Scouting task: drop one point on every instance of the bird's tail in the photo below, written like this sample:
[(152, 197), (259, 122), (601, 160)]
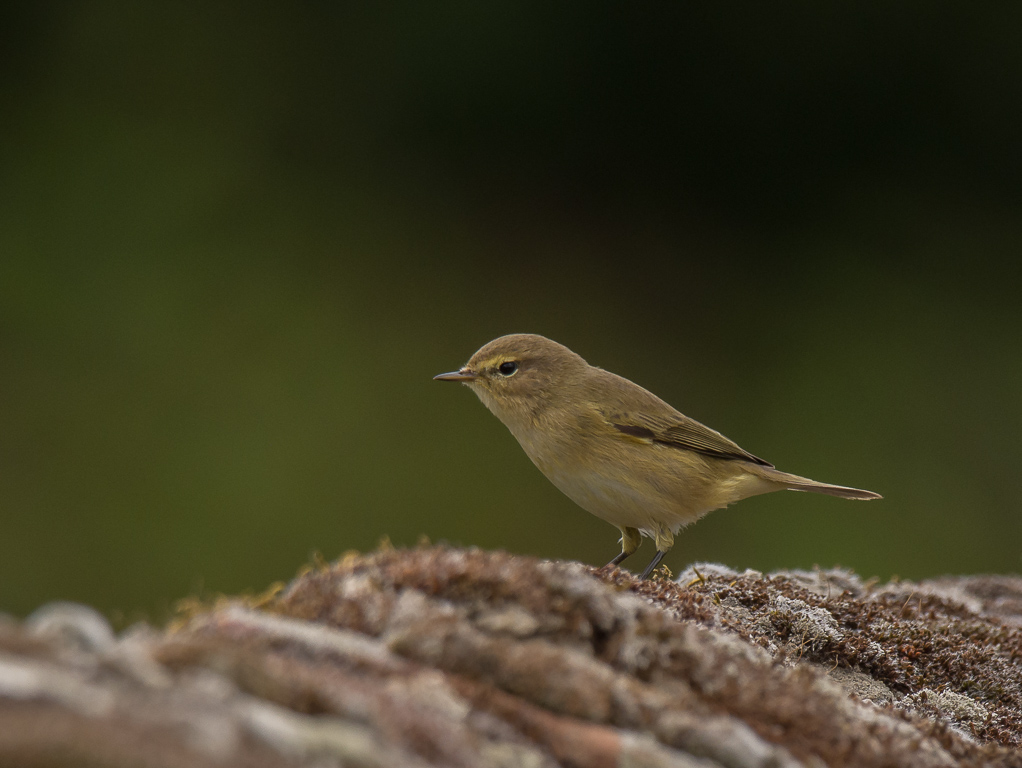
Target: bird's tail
[(796, 483)]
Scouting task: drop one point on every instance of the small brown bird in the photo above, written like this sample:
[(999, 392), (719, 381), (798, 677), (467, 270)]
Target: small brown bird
[(615, 449)]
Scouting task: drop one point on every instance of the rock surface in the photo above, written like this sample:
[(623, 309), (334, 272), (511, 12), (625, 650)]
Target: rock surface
[(445, 657)]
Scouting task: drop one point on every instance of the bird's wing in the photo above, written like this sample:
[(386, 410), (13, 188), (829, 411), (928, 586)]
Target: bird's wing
[(679, 431)]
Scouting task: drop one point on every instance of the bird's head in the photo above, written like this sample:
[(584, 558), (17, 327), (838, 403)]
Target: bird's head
[(519, 374)]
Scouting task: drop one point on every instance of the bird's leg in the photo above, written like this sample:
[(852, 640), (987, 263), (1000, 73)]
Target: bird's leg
[(630, 540), (653, 564), (664, 541)]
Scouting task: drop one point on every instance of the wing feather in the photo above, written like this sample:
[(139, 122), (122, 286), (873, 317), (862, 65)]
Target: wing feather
[(681, 432)]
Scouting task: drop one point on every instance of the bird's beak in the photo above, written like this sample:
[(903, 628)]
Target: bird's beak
[(464, 375)]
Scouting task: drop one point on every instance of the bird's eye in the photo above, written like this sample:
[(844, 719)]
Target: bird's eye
[(510, 368)]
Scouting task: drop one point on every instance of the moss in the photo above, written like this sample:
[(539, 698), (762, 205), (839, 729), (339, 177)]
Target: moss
[(453, 657)]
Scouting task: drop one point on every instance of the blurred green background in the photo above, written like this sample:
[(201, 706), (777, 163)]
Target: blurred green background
[(238, 239)]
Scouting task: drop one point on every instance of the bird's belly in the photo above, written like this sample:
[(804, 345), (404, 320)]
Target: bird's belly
[(647, 501), (612, 500), (656, 492)]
